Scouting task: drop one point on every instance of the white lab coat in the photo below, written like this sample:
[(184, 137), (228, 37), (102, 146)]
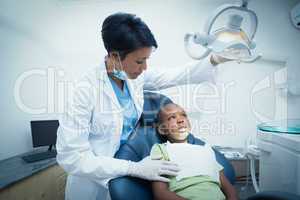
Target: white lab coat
[(89, 132)]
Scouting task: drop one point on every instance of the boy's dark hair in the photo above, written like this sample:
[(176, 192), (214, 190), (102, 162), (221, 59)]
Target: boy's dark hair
[(125, 33), (159, 114)]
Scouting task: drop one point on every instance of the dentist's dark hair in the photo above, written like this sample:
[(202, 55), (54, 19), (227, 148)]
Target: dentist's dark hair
[(125, 33)]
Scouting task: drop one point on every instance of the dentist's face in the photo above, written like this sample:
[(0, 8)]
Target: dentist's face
[(174, 123), (134, 63)]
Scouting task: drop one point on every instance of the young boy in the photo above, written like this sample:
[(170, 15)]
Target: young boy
[(201, 177)]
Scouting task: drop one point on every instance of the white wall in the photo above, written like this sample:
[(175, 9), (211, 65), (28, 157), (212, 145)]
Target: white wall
[(60, 39)]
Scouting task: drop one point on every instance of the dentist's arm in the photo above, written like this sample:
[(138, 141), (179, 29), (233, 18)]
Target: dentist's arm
[(194, 72), (160, 189), (215, 59)]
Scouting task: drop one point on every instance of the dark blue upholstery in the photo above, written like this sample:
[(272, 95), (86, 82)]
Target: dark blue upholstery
[(139, 146), (152, 104)]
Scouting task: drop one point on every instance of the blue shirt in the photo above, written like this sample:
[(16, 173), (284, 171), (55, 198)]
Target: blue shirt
[(130, 115)]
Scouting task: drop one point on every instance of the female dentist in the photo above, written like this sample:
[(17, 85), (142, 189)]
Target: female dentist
[(107, 104)]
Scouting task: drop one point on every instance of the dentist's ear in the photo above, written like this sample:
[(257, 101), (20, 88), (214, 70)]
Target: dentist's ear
[(114, 54), (115, 60)]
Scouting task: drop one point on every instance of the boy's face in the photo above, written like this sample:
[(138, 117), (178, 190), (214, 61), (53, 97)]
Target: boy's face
[(174, 123)]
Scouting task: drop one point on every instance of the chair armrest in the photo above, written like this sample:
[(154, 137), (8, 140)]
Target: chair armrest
[(128, 188), (228, 168)]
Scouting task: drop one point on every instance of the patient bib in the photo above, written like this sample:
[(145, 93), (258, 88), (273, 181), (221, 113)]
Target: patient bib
[(194, 160)]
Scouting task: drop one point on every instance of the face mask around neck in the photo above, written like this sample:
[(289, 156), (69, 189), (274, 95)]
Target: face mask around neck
[(120, 74)]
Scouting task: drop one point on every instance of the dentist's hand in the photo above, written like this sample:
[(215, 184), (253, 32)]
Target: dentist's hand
[(216, 59), (153, 169)]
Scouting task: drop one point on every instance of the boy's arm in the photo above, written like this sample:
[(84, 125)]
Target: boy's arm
[(161, 192), (227, 188), (161, 189)]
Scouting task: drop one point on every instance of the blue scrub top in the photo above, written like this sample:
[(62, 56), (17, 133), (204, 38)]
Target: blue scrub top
[(130, 115)]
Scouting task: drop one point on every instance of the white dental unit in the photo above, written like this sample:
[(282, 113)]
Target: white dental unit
[(279, 144)]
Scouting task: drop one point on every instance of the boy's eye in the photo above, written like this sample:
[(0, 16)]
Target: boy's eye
[(171, 117), (139, 62)]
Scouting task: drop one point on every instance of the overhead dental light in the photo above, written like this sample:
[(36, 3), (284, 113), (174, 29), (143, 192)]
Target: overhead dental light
[(230, 41)]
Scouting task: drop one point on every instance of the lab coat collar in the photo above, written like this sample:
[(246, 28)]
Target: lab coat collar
[(101, 74)]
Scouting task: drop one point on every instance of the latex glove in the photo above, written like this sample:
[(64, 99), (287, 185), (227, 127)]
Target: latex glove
[(153, 169)]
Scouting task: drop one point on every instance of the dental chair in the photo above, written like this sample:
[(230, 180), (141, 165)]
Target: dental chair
[(139, 146)]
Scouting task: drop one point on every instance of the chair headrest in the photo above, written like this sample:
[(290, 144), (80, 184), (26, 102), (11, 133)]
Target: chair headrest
[(152, 104)]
